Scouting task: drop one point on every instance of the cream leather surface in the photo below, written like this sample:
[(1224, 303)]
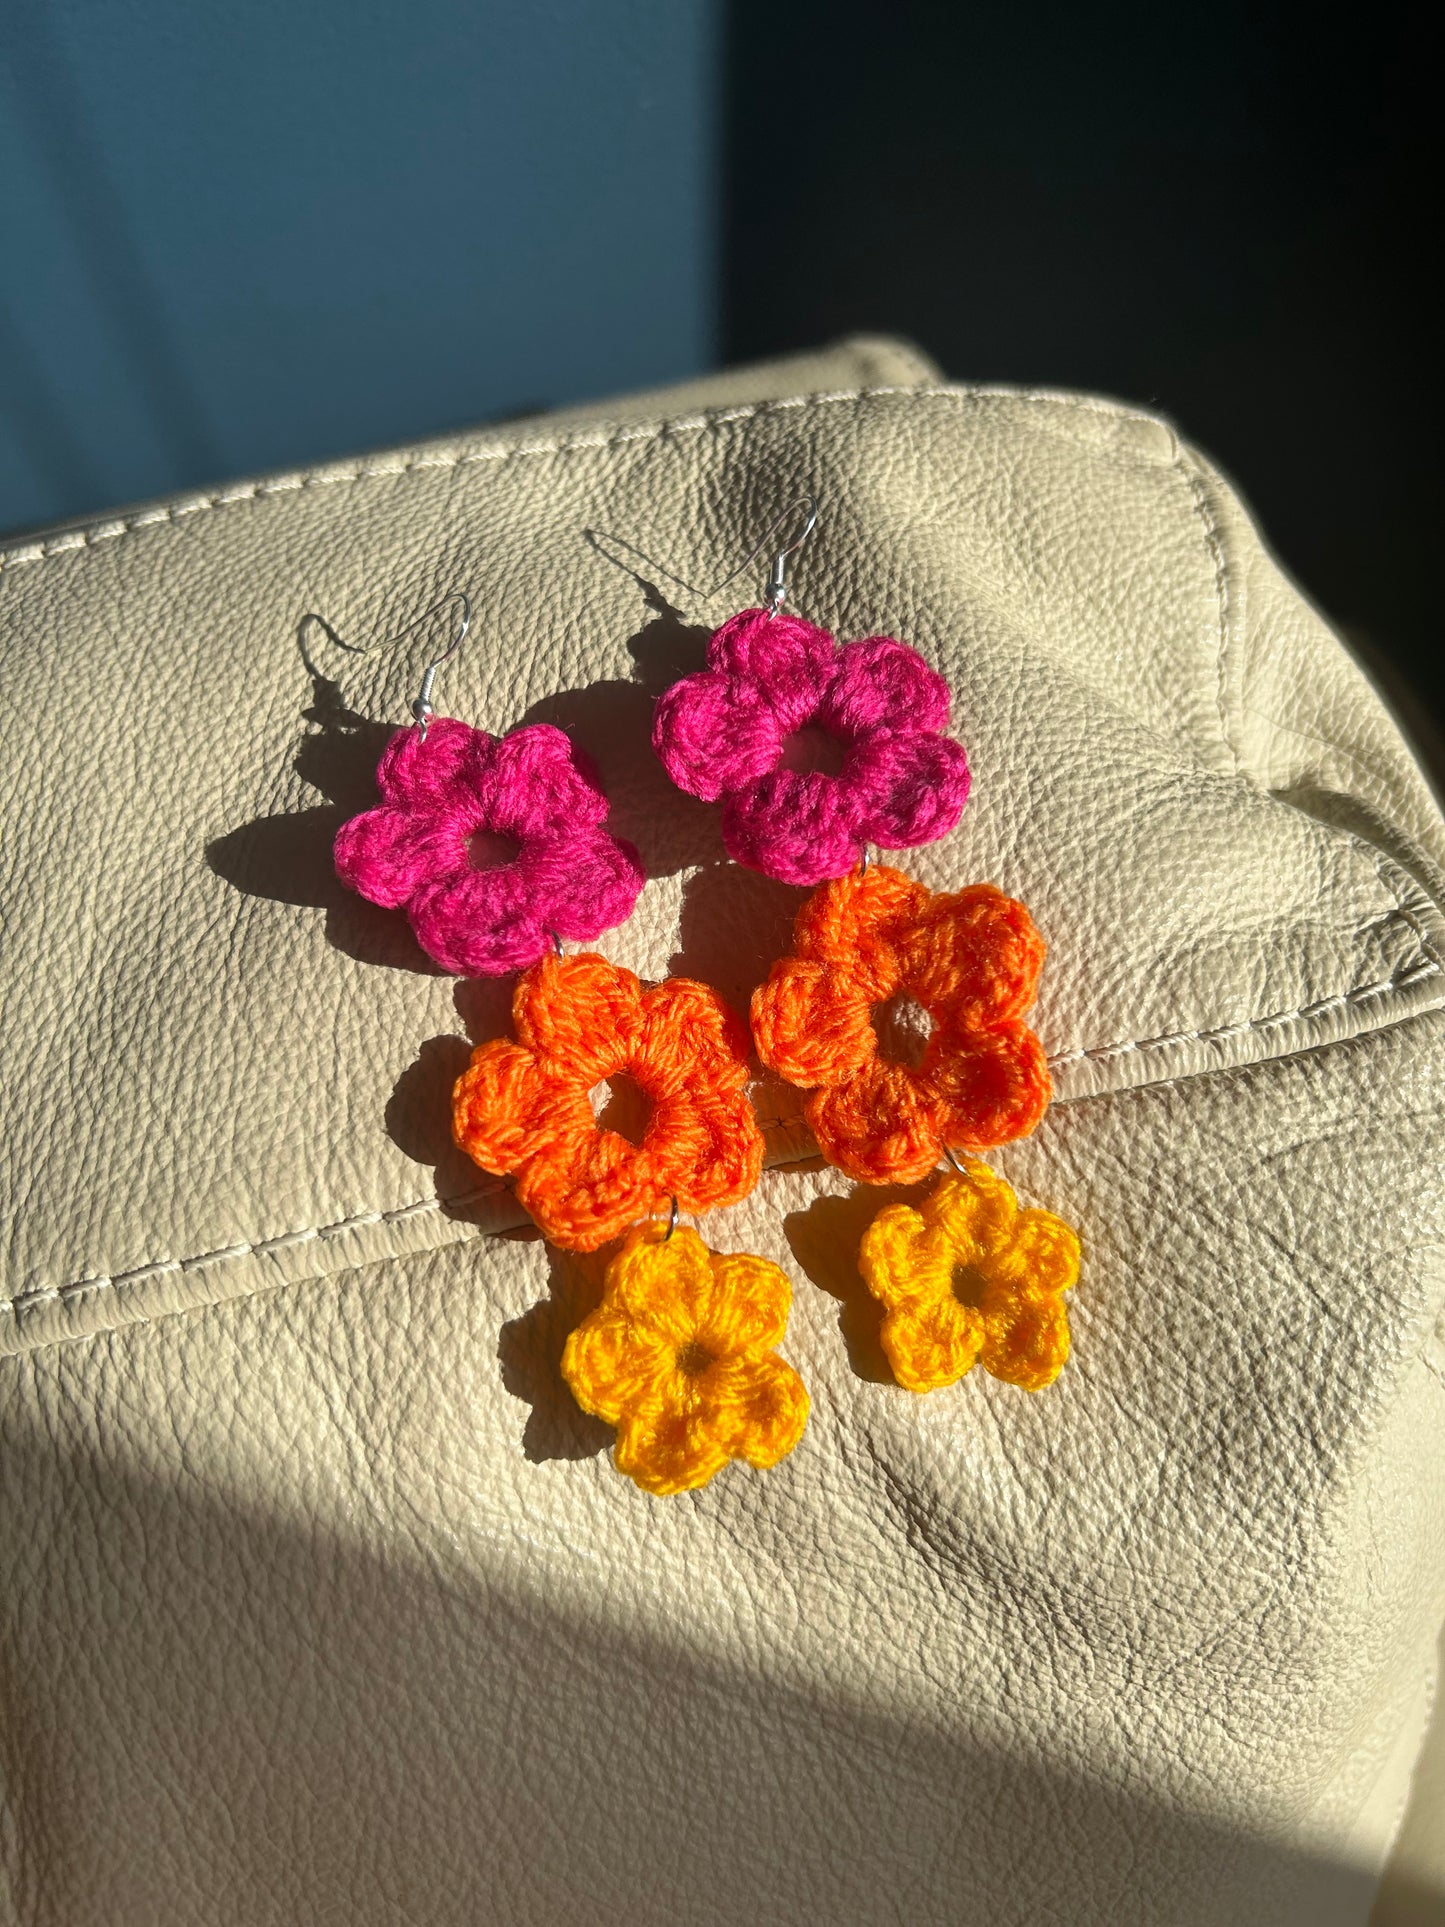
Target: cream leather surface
[(321, 1600)]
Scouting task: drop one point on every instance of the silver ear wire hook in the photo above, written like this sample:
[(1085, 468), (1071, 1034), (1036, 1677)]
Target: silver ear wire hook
[(776, 591), (422, 709)]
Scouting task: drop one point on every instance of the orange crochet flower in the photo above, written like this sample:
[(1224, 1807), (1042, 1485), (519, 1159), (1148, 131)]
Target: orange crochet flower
[(679, 1357), (970, 961), (524, 1108), (970, 1276)]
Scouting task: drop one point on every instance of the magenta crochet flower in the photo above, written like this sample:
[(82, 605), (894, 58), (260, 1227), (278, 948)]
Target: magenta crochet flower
[(815, 749), (490, 844)]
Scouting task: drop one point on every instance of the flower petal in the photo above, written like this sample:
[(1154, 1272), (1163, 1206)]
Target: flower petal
[(613, 1364), (1041, 1259), (438, 774), (798, 826), (675, 1451), (992, 1085), (706, 1147), (581, 881), (881, 683), (1027, 1342), (536, 782), (387, 854), (974, 1214), (585, 1187), (748, 1307), (976, 955), (898, 1262), (908, 787), (579, 1014), (688, 1035), (479, 923), (810, 1025), (500, 1110), (932, 1345), (757, 1406), (715, 733), (789, 662), (858, 923), (664, 1285), (880, 1127)]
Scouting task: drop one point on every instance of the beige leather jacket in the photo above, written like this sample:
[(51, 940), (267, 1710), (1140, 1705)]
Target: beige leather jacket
[(321, 1600)]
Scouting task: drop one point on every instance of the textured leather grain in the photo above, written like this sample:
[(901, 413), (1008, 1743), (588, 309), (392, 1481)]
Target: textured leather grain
[(322, 1601)]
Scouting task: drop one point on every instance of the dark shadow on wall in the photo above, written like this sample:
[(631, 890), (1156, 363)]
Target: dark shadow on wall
[(275, 1721), (1228, 225)]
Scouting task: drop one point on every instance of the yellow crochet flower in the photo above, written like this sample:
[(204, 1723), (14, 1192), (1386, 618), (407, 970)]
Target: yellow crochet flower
[(679, 1357), (970, 1276)]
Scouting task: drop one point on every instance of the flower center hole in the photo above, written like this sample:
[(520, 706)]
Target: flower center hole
[(969, 1286), (620, 1105), (693, 1359), (903, 1028), (491, 850), (813, 751)]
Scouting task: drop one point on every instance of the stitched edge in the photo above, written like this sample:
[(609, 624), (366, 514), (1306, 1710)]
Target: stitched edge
[(82, 1287), (260, 1248), (114, 528), (1412, 918), (1214, 542), (1400, 979)]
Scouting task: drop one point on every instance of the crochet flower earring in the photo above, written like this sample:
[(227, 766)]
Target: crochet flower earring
[(680, 1354), (493, 846), (900, 1011), (814, 750)]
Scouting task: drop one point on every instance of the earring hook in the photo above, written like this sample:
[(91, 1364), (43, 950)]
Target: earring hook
[(422, 709), (776, 591)]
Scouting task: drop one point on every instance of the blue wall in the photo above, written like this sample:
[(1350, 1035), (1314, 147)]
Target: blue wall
[(242, 237)]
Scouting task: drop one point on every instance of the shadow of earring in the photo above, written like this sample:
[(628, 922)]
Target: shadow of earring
[(530, 1348), (824, 1239), (288, 858)]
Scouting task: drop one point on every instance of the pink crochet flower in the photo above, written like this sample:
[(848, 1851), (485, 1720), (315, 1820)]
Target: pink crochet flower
[(491, 844), (776, 693)]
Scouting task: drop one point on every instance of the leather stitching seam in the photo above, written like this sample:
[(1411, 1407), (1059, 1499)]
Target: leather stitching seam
[(260, 1248), (614, 437), (1215, 545), (1396, 887), (266, 1247), (1401, 979)]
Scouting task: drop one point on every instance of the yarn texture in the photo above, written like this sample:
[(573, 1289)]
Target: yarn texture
[(969, 1277), (777, 693), (970, 961), (524, 1109), (540, 802), (680, 1357)]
